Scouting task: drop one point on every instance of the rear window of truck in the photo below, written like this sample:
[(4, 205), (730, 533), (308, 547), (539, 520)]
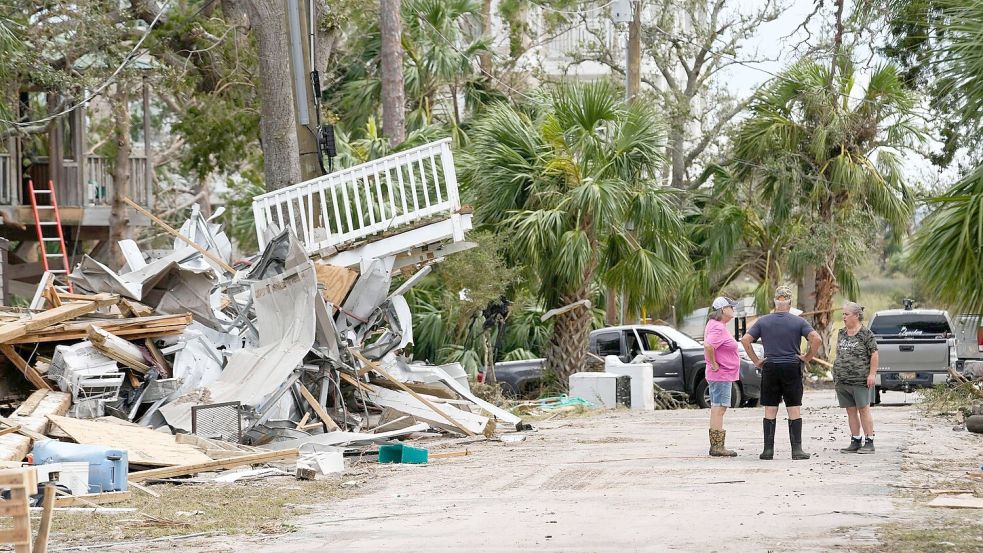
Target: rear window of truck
[(913, 325)]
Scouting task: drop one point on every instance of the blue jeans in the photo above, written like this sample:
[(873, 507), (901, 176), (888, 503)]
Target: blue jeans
[(720, 392)]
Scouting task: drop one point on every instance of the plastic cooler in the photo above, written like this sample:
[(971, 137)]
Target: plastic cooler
[(108, 467)]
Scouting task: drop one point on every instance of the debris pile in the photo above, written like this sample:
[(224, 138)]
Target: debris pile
[(183, 362)]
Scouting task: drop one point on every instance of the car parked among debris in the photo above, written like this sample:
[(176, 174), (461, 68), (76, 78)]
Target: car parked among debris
[(677, 363), (916, 348)]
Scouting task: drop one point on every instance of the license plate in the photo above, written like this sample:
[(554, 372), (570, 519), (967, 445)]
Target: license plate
[(908, 376)]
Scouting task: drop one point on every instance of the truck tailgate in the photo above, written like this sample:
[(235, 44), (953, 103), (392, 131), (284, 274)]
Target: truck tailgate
[(907, 355)]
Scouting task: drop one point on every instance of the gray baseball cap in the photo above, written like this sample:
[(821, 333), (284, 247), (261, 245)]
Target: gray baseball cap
[(784, 292)]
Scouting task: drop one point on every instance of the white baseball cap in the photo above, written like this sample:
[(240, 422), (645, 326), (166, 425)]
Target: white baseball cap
[(722, 302)]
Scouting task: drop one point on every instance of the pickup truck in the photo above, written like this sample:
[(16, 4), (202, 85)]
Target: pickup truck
[(969, 339), (677, 363), (916, 348)]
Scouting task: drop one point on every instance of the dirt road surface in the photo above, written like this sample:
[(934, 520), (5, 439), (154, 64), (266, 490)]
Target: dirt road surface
[(641, 481)]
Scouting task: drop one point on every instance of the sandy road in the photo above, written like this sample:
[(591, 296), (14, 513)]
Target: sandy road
[(631, 481)]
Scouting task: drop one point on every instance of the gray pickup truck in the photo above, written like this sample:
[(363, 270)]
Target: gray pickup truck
[(916, 348), (677, 364)]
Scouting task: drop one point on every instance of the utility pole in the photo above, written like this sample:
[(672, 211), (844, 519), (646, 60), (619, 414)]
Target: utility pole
[(393, 102), (298, 16)]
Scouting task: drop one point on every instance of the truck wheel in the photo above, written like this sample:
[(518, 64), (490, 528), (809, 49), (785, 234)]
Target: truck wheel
[(703, 394), (736, 395), (975, 424)]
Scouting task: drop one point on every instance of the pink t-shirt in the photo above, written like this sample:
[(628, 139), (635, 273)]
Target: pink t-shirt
[(725, 351)]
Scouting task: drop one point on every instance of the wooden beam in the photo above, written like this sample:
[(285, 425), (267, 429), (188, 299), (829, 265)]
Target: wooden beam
[(36, 436), (329, 424), (170, 230), (182, 470), (117, 348), (31, 403), (104, 299), (44, 527), (28, 371), (375, 367), (16, 329), (90, 499)]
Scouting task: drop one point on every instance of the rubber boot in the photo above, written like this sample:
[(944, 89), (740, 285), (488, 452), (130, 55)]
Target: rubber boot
[(768, 425), (855, 444), (795, 437), (717, 449)]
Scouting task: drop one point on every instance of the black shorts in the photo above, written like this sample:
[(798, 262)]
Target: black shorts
[(781, 381)]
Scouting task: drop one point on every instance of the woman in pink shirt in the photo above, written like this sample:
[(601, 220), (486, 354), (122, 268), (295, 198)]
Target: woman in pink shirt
[(722, 370)]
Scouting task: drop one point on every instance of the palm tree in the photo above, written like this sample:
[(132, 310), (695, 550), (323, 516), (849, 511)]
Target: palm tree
[(947, 250), (442, 43), (572, 180), (824, 154)]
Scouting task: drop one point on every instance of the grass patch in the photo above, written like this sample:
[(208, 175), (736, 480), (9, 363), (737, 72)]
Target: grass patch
[(259, 507), (956, 538)]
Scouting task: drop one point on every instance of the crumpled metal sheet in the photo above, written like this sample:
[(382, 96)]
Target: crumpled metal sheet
[(285, 320)]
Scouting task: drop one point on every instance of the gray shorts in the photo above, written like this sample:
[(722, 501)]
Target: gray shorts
[(852, 396)]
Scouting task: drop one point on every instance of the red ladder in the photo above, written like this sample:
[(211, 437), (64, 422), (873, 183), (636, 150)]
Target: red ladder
[(61, 275)]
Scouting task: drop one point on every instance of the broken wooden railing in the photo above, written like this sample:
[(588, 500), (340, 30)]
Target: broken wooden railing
[(410, 187)]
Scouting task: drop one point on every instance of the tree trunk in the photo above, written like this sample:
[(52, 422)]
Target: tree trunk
[(807, 290), (277, 128), (393, 103), (485, 58), (635, 51), (568, 344), (826, 288), (118, 220), (677, 154)]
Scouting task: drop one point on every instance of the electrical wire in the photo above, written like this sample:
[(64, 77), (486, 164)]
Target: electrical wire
[(98, 90), (565, 12)]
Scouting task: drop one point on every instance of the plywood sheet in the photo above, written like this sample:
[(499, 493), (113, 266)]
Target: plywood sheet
[(143, 445), (337, 281)]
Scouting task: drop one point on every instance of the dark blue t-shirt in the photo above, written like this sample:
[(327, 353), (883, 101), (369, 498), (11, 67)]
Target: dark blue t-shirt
[(781, 334)]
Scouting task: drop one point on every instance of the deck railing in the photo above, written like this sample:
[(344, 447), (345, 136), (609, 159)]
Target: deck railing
[(364, 200), (95, 188)]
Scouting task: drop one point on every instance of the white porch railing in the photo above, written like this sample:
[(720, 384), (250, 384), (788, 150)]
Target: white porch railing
[(367, 199)]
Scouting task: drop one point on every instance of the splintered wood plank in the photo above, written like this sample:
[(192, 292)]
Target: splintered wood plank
[(321, 413), (28, 371), (31, 403), (14, 446), (86, 500), (117, 348), (143, 445), (222, 464), (142, 327), (16, 329)]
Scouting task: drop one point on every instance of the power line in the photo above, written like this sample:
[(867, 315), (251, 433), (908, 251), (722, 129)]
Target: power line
[(565, 12), (98, 90)]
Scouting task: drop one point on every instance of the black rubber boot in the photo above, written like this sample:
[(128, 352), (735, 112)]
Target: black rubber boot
[(795, 437), (855, 444), (768, 425)]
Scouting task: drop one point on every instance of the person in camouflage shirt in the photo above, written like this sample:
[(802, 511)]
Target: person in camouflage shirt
[(853, 372)]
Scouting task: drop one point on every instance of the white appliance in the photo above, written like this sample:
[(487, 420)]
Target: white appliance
[(642, 389), (602, 389)]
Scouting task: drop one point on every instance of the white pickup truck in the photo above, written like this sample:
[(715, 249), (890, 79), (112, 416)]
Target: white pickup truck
[(916, 348)]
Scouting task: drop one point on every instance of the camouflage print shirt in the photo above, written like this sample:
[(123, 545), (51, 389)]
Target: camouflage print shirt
[(853, 354)]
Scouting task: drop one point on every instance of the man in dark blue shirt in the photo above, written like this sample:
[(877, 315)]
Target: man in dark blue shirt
[(781, 368)]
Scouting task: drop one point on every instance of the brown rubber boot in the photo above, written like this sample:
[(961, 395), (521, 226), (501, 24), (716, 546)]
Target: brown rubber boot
[(717, 449)]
